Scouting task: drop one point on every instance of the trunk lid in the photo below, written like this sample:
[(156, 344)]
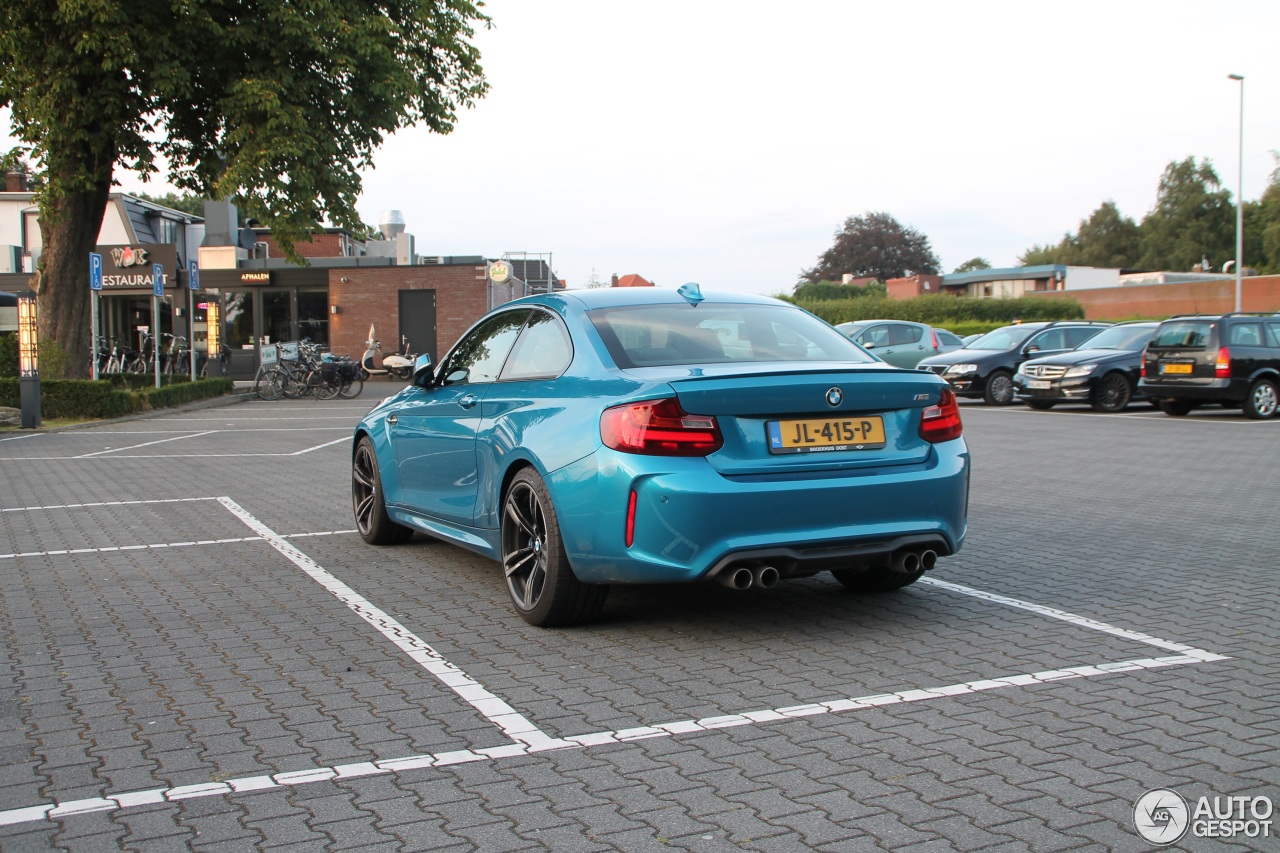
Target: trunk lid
[(784, 420)]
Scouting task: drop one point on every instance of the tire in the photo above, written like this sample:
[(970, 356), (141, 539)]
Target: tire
[(269, 385), (543, 588), (1042, 405), (351, 390), (1262, 400), (402, 373), (1176, 408), (375, 526), (326, 390), (875, 579), (1113, 393), (999, 390), (292, 388)]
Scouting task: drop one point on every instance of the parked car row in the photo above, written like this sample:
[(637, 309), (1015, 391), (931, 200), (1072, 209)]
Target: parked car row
[(1178, 364)]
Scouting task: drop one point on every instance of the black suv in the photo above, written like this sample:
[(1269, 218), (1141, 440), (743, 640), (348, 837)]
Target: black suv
[(1230, 359), (1103, 371), (984, 368)]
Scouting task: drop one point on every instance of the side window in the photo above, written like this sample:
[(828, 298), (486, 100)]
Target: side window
[(542, 351), (1049, 340), (1079, 334), (903, 334), (1245, 335), (877, 335), (479, 356), (1273, 334)]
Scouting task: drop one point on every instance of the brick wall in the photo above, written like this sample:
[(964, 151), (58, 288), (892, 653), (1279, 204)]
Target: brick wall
[(327, 245), (372, 295), (1258, 293)]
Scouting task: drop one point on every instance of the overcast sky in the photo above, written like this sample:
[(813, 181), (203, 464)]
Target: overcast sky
[(726, 142)]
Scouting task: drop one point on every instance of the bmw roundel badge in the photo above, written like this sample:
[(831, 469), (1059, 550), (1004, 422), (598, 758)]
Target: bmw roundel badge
[(834, 397)]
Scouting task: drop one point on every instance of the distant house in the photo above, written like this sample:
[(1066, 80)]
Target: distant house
[(1013, 282), (629, 280)]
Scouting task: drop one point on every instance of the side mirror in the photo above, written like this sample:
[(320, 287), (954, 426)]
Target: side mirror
[(422, 369), (869, 345), (1031, 348)]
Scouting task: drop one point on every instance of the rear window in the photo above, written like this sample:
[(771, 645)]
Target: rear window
[(663, 335), (1183, 334)]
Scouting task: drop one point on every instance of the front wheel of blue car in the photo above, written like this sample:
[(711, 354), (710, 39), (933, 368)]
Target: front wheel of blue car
[(375, 526), (543, 588)]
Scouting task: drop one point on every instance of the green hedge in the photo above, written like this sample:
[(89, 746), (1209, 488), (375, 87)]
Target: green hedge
[(112, 397), (945, 311)]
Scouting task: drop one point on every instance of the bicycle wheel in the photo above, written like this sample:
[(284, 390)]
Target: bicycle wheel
[(352, 389), (291, 386), (327, 390), (269, 384)]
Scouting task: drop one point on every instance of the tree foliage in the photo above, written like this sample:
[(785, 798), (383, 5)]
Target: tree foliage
[(874, 245), (973, 265), (1193, 219), (184, 202), (1106, 239), (277, 103)]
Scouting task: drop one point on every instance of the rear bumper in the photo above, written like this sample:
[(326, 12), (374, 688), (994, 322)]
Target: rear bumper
[(691, 522), (1207, 390)]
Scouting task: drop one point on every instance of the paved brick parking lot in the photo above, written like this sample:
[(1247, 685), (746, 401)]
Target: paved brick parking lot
[(199, 653)]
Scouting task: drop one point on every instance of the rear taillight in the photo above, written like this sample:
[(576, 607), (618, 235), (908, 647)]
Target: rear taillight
[(934, 337), (659, 428), (1142, 365), (1222, 365), (941, 422)]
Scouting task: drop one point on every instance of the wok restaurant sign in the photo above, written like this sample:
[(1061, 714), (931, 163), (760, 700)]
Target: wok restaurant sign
[(130, 266)]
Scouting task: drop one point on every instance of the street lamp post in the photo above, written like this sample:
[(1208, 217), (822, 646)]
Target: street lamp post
[(1239, 78), (28, 362)]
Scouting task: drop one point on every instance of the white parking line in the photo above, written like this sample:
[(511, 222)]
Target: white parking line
[(498, 712), (345, 439), (145, 444), (528, 738)]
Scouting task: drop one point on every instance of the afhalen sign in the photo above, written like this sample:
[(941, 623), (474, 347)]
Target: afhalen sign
[(130, 266)]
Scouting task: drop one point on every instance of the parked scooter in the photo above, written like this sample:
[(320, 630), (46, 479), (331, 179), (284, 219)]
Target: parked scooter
[(398, 364)]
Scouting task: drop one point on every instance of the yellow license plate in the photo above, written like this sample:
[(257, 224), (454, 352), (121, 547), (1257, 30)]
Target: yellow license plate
[(1184, 369), (802, 436)]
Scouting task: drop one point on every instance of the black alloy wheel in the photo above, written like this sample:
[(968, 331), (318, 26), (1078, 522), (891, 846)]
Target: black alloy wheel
[(541, 582), (1262, 400), (999, 390), (375, 526), (1112, 393)]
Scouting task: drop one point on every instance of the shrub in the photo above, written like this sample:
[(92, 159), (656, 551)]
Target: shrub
[(121, 394)]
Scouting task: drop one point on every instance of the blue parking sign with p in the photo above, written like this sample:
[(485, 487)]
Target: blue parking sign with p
[(193, 275), (157, 279), (95, 271)]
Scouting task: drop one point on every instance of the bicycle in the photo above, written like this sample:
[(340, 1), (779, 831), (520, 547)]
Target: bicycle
[(177, 359), (224, 361)]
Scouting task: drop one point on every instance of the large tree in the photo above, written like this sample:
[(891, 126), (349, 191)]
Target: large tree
[(1106, 239), (275, 102), (1193, 220), (874, 245)]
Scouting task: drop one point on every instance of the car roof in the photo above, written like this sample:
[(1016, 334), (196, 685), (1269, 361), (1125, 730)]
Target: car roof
[(619, 297)]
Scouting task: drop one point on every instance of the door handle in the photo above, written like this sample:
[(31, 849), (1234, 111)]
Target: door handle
[(468, 400), (393, 419)]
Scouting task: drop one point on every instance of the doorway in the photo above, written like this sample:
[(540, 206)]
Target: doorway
[(418, 323)]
